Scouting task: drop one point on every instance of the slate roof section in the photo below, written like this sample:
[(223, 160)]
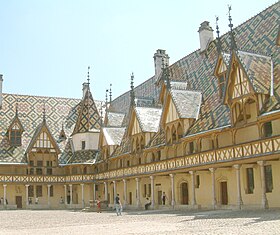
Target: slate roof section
[(115, 119), (148, 118), (179, 85), (187, 102), (113, 135)]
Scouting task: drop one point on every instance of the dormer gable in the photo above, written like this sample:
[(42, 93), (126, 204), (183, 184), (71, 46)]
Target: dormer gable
[(248, 74), (15, 131), (220, 71), (43, 141)]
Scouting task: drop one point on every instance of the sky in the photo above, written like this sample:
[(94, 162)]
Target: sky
[(46, 46)]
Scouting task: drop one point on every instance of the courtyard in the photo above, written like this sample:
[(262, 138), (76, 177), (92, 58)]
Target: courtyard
[(140, 222)]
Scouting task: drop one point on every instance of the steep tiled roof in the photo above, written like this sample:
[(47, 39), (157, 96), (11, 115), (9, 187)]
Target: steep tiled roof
[(157, 140), (113, 135), (115, 119), (83, 156), (30, 114), (186, 102), (148, 118), (89, 118), (124, 147)]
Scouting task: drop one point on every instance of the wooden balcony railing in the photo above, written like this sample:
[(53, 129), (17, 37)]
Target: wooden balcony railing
[(252, 149)]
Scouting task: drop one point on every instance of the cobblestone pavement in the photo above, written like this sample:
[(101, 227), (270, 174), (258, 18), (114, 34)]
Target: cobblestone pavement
[(140, 222)]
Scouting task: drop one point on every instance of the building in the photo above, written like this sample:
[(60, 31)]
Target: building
[(204, 131)]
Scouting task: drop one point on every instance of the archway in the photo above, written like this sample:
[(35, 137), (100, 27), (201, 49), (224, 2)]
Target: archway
[(184, 193)]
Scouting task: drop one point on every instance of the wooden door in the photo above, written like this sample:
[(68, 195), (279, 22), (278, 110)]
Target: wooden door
[(159, 197), (224, 194), (130, 198), (185, 193), (19, 201)]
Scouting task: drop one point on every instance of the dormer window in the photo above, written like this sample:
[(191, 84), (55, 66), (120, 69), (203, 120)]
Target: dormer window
[(15, 135)]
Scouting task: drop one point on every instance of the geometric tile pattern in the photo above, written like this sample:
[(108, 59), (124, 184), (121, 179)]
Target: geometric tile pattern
[(89, 118)]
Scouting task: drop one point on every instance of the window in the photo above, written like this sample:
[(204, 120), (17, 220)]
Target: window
[(83, 145), (31, 163), (31, 191), (197, 181), (250, 180), (267, 129), (15, 137), (49, 163), (39, 171), (39, 191), (49, 171), (31, 171), (128, 163), (39, 163), (268, 178), (51, 191), (43, 141)]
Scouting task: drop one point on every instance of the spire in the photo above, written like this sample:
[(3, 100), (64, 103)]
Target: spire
[(219, 44), (44, 113), (166, 74), (231, 33), (110, 93), (106, 100), (132, 94), (101, 113)]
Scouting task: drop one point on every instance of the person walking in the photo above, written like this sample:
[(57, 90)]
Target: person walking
[(118, 205), (98, 203), (163, 198)]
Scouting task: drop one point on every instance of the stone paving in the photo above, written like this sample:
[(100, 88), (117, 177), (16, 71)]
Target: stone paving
[(140, 222)]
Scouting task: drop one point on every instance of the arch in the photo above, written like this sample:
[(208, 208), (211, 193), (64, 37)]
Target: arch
[(180, 130), (250, 109)]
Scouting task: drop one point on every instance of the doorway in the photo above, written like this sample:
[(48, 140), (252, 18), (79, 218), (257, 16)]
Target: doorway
[(159, 197), (224, 193), (130, 198), (19, 202), (184, 194)]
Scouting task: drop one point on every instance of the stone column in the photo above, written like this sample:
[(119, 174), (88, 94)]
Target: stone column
[(26, 194), (172, 190), (5, 194), (115, 189), (264, 199), (214, 201), (124, 193), (71, 194), (152, 192), (49, 194), (192, 173), (65, 194), (238, 184), (106, 191), (94, 192), (83, 200), (138, 203)]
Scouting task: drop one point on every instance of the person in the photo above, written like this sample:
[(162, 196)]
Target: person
[(2, 200), (98, 202), (61, 200), (164, 198), (36, 200), (30, 201), (148, 203), (118, 205)]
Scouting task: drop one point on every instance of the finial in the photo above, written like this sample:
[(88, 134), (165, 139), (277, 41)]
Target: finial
[(219, 44), (110, 93), (88, 74), (106, 96), (101, 112), (132, 95), (16, 108), (233, 44)]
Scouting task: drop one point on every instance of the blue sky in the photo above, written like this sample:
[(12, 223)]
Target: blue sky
[(47, 45)]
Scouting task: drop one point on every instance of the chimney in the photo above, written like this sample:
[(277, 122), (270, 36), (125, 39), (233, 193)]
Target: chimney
[(1, 98), (205, 35), (85, 88), (159, 58)]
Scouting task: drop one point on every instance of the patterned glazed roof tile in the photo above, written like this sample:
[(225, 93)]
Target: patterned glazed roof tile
[(157, 140), (83, 156), (89, 118), (258, 69), (123, 148), (187, 102), (113, 135), (115, 119), (148, 118)]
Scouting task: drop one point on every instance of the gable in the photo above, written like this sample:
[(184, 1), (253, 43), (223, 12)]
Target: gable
[(135, 126), (171, 112)]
